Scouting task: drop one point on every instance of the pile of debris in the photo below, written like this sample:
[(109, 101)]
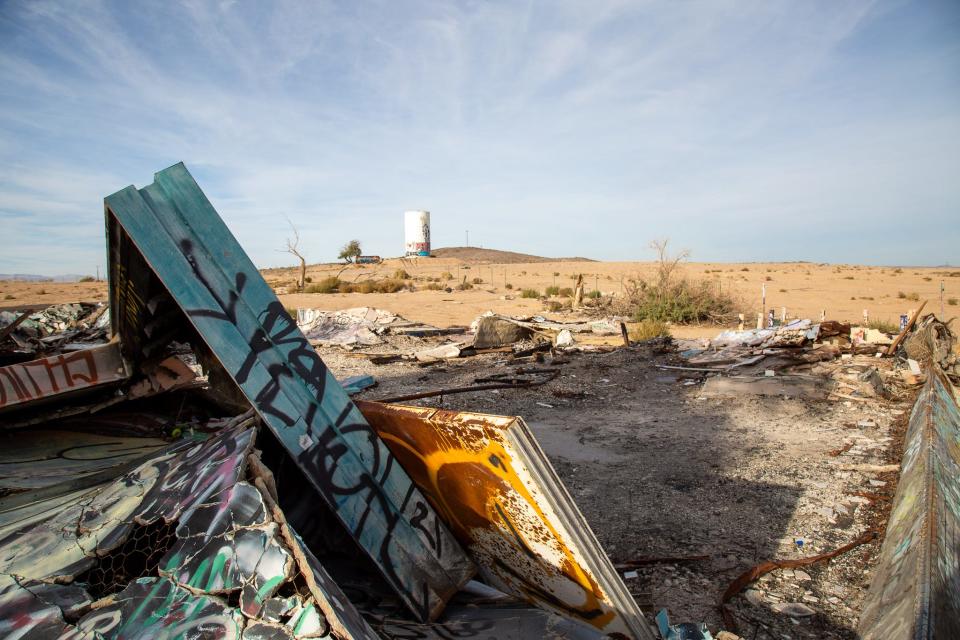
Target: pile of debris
[(256, 501), (61, 327)]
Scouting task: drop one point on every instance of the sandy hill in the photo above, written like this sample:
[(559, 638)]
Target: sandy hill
[(476, 255)]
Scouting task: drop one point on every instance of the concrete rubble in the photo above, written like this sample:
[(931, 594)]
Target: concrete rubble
[(182, 463)]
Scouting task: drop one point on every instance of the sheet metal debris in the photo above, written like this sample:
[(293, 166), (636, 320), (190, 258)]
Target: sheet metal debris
[(494, 486), (915, 590)]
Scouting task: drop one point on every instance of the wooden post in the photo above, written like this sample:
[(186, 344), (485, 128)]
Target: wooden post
[(866, 317), (626, 336), (906, 329), (783, 315), (740, 326), (759, 321), (823, 315)]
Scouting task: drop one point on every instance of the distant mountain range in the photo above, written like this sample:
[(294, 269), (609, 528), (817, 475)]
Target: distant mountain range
[(32, 277)]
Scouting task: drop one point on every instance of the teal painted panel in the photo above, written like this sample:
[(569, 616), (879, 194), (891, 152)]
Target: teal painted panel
[(187, 245), (915, 592)]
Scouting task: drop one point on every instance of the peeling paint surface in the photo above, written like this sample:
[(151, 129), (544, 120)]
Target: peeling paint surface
[(496, 490), (915, 592)]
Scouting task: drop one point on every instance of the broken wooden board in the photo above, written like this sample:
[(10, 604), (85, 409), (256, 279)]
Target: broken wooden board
[(784, 386), (915, 592), (488, 478), (55, 376), (170, 232)]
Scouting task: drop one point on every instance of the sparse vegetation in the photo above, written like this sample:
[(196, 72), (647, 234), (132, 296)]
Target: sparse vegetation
[(556, 305), (88, 279), (463, 286), (41, 292), (9, 296), (848, 277), (508, 286), (670, 297), (529, 293), (327, 285), (594, 295), (884, 326), (552, 291), (768, 279), (433, 286), (400, 274), (952, 302), (477, 281), (913, 295), (566, 292), (648, 329), (446, 275)]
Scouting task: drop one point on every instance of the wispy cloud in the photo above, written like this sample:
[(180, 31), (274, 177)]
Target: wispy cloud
[(742, 130)]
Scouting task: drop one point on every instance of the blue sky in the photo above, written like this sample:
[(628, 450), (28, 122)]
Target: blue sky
[(824, 131)]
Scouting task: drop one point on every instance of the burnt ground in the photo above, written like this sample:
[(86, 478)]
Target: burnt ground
[(658, 471)]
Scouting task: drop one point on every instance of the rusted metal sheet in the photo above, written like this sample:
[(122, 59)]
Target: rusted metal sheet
[(489, 480), (915, 592), (174, 261), (51, 377)]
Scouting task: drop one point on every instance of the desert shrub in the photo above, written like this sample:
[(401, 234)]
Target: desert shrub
[(446, 275), (556, 273), (952, 302), (884, 325), (42, 292), (433, 286), (523, 273), (390, 285), (477, 281), (594, 295), (745, 269), (529, 293), (400, 274), (565, 292), (671, 297), (463, 286), (9, 296), (848, 277), (648, 329), (770, 279), (913, 295), (783, 290), (552, 291), (927, 278), (88, 279), (308, 279), (898, 270), (508, 286), (327, 285)]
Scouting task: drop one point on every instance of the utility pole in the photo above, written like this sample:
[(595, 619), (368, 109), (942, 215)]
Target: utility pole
[(468, 237)]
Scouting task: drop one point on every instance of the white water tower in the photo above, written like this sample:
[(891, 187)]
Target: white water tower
[(416, 227)]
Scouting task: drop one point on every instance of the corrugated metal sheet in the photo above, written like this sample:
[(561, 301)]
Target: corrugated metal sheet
[(488, 479), (183, 241), (915, 593)]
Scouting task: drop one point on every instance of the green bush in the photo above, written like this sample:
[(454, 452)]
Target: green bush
[(552, 291), (595, 294), (529, 293)]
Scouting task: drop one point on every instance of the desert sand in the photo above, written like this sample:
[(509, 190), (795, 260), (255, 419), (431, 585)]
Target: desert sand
[(843, 292)]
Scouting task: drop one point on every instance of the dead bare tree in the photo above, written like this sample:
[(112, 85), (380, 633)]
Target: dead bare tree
[(293, 249), (667, 264)]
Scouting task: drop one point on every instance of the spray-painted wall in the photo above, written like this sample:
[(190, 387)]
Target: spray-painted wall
[(416, 228)]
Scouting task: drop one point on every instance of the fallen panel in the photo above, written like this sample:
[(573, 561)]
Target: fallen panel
[(490, 481), (172, 227), (54, 376), (915, 592)]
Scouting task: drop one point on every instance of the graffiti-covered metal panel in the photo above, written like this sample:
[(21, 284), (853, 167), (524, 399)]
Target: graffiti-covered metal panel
[(915, 592), (56, 375), (182, 239), (492, 484)]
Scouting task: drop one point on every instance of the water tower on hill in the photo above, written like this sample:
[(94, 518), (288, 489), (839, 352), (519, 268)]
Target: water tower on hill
[(416, 227)]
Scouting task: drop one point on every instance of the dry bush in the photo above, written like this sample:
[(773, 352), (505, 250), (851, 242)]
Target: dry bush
[(552, 291), (671, 297), (400, 274), (884, 326), (647, 330), (529, 293), (463, 286), (446, 275), (433, 286), (477, 281), (327, 285)]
